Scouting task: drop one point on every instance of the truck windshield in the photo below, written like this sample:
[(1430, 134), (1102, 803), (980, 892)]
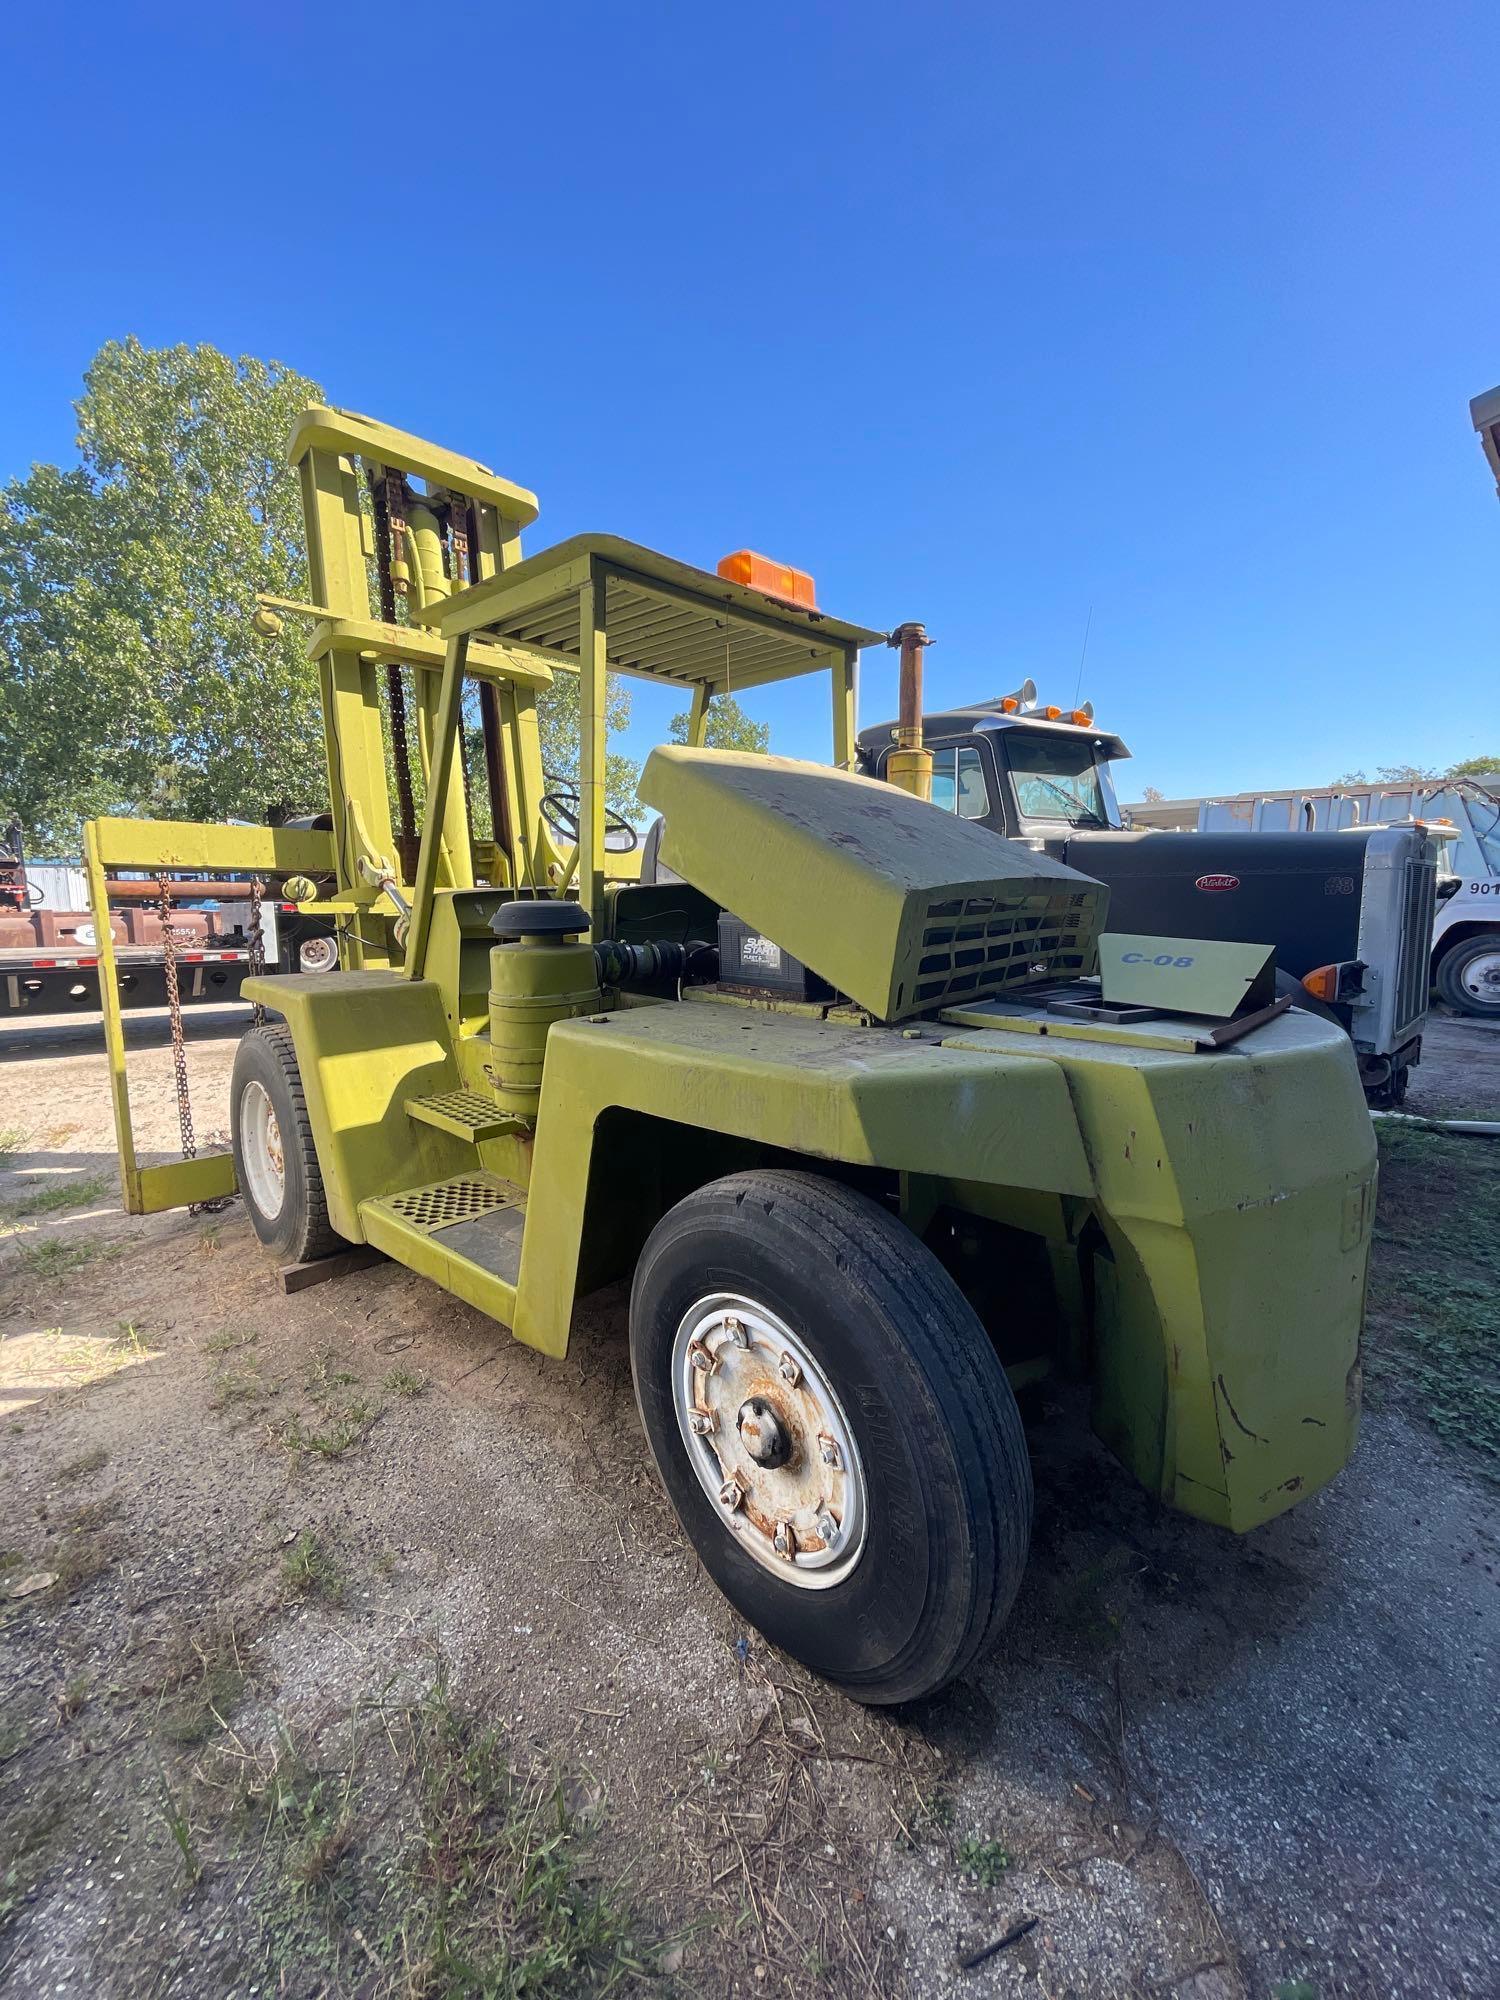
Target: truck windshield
[(1057, 779)]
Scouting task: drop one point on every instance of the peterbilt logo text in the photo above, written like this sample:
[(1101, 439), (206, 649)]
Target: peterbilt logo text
[(1212, 884)]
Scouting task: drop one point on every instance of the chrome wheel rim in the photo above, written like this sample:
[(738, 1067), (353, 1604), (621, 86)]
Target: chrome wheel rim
[(769, 1441), (317, 954), (261, 1151)]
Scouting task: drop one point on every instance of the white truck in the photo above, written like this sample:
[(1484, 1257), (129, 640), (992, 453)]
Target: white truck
[(1466, 930)]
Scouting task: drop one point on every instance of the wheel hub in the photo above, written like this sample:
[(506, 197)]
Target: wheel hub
[(769, 1441), (763, 1434), (1481, 977)]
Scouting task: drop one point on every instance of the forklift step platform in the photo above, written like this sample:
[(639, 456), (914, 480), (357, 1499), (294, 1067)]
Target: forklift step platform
[(464, 1113), (464, 1232)]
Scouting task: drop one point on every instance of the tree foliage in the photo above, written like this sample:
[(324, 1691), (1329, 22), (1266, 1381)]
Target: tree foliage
[(132, 681), (729, 728), (1419, 774)]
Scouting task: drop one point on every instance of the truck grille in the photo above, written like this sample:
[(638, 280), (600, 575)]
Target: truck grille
[(1419, 907), (985, 945)]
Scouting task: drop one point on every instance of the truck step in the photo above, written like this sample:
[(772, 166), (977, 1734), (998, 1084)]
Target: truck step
[(464, 1113), (465, 1233)]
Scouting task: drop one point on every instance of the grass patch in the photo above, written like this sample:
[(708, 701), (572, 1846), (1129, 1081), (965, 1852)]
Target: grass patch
[(407, 1382), (72, 1698), (1435, 1281), (985, 1861), (77, 1562), (425, 1863), (308, 1570), (85, 1463), (12, 1141), (53, 1258), (228, 1340), (238, 1388), (200, 1682), (61, 1194), (340, 1433), (497, 1898)]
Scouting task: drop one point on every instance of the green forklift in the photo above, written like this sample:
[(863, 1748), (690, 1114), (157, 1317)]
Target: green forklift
[(840, 1091)]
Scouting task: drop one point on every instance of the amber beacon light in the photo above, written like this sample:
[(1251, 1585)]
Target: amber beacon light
[(771, 579)]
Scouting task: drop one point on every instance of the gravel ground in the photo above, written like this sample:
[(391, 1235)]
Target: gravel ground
[(1208, 1767)]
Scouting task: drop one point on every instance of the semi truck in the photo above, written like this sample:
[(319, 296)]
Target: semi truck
[(1349, 913), (1464, 812)]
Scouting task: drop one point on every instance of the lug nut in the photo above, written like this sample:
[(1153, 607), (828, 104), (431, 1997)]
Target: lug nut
[(731, 1494), (827, 1527), (700, 1357), (790, 1372), (704, 1423), (828, 1451), (786, 1541), (736, 1330)]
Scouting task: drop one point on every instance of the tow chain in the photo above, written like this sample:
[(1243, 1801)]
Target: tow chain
[(179, 1043), (257, 943), (174, 1012)]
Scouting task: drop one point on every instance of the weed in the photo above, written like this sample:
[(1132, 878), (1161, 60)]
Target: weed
[(60, 1194), (233, 1388), (309, 1571), (79, 1560), (85, 1463), (985, 1860), (72, 1698), (129, 1340), (12, 1141), (53, 1258), (177, 1825), (94, 1514), (208, 1242), (324, 1380), (227, 1340), (200, 1684), (344, 1430), (406, 1382)]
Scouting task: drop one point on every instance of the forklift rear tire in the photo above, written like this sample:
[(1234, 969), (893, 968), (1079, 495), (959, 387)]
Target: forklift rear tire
[(275, 1161), (834, 1430)]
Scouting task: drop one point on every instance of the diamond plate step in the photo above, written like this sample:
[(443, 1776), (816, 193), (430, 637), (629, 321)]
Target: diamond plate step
[(465, 1232), (464, 1113)]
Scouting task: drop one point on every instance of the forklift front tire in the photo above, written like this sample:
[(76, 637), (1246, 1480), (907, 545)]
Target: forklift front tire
[(834, 1430), (275, 1161)]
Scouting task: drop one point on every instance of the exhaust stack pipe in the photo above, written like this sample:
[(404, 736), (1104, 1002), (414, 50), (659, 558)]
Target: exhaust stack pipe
[(909, 765)]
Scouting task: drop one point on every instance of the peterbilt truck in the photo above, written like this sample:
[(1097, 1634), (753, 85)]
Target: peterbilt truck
[(1349, 913)]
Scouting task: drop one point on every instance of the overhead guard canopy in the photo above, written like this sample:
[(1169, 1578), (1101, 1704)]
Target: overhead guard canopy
[(893, 901)]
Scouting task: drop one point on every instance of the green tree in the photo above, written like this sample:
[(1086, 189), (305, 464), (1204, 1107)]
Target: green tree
[(729, 728), (1474, 767), (132, 682)]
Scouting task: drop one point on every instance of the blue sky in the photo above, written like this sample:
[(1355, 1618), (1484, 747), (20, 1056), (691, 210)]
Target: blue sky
[(984, 314)]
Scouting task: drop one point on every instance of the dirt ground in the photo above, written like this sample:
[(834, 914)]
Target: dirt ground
[(347, 1647)]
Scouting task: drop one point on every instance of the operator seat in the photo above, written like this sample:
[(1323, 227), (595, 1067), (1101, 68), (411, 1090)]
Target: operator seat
[(653, 868)]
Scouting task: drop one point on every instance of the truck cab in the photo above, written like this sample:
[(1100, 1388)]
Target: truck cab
[(1027, 774)]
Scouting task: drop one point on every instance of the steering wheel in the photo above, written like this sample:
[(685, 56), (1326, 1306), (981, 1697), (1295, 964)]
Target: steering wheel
[(560, 809)]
